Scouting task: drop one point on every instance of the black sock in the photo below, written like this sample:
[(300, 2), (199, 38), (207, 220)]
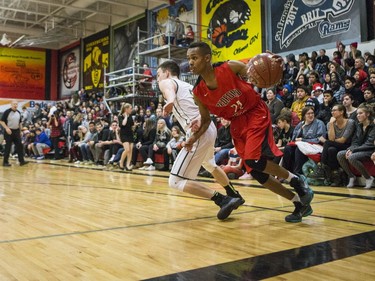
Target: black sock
[(231, 191), (217, 198)]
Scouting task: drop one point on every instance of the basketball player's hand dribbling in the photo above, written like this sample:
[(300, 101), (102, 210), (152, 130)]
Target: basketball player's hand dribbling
[(167, 109)]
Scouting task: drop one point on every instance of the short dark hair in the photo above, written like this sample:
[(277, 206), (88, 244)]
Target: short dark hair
[(202, 46), (171, 66), (330, 92), (283, 117)]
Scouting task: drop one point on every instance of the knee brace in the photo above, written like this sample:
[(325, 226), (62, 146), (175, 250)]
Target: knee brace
[(210, 165), (258, 165), (259, 176), (177, 182)]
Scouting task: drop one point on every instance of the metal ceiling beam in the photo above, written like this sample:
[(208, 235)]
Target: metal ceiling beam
[(74, 7), (43, 15)]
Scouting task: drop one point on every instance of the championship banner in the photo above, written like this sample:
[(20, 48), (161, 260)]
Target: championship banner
[(235, 28), (95, 59), (22, 73), (298, 24), (69, 72)]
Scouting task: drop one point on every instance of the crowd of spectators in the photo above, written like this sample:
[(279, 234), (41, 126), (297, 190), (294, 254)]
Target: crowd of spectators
[(322, 100)]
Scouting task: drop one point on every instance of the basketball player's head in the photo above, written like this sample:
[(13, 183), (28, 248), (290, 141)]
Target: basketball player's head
[(199, 57), (167, 70)]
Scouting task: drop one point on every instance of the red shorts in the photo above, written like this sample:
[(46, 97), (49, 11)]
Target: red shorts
[(252, 134)]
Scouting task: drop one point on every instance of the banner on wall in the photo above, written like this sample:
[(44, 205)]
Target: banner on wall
[(125, 40), (22, 73), (95, 59), (69, 72), (235, 28), (297, 24)]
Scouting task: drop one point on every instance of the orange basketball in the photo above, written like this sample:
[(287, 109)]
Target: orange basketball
[(265, 70)]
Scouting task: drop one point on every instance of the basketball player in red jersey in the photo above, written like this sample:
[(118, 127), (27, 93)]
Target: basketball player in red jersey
[(222, 91)]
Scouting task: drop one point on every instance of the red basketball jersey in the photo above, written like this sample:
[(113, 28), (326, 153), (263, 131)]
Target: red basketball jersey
[(239, 96)]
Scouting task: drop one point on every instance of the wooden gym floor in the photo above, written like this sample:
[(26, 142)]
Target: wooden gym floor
[(63, 222)]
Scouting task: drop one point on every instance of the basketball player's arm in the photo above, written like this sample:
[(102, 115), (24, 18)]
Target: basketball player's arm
[(168, 89), (238, 67), (202, 127)]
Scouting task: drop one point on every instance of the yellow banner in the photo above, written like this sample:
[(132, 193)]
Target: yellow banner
[(235, 28), (22, 73)]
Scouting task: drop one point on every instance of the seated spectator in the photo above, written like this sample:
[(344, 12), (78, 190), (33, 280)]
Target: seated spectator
[(101, 144), (313, 78), (369, 95), (336, 87), (350, 88), (325, 111), (322, 58), (286, 95), (144, 139), (349, 67), (146, 82), (341, 48), (285, 135), (317, 92), (340, 132), (175, 144), (303, 69), (294, 120), (291, 69), (41, 142), (274, 104), (74, 152), (89, 140), (159, 146), (309, 130), (354, 52), (233, 168), (302, 96), (115, 141), (189, 36), (370, 62), (372, 79), (360, 77), (361, 148), (223, 142), (334, 67), (351, 111)]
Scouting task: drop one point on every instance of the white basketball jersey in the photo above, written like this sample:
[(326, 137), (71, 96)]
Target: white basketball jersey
[(184, 108)]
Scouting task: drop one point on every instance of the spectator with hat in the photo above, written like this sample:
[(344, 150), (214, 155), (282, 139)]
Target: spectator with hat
[(354, 52), (360, 77), (318, 92)]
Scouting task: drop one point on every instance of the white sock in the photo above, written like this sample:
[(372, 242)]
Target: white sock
[(296, 198), (290, 176)]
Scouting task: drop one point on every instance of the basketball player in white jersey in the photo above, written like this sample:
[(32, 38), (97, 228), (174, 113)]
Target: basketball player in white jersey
[(179, 100)]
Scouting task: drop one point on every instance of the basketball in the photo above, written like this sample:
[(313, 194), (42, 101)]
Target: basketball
[(265, 70)]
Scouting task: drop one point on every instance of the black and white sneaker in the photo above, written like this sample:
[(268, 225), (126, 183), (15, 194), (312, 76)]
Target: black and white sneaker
[(227, 205)]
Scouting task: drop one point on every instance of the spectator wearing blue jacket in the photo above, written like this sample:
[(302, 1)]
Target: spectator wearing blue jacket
[(41, 142)]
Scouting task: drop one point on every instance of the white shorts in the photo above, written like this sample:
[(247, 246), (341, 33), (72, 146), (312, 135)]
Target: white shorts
[(188, 163)]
